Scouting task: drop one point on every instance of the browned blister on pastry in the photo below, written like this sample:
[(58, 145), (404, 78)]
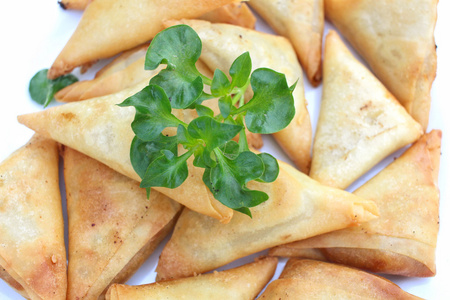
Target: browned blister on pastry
[(396, 38), (32, 252), (360, 122), (241, 283), (113, 227), (403, 240), (309, 279), (302, 22)]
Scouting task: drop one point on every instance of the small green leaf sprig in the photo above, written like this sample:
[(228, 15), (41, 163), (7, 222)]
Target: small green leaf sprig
[(42, 90), (229, 165)]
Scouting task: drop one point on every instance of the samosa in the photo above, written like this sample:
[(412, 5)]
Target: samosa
[(302, 22), (241, 283), (403, 240), (32, 251), (234, 13), (396, 38), (110, 27), (222, 43), (113, 227), (309, 279), (298, 208), (102, 130), (360, 122), (123, 72)]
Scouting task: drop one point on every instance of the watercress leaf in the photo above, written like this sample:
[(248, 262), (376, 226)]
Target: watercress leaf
[(271, 168), (244, 210), (212, 132), (225, 106), (143, 153), (203, 159), (42, 90), (220, 84), (182, 89), (240, 70), (272, 106), (185, 138), (230, 149), (227, 180), (178, 47), (175, 46), (168, 170), (204, 111), (153, 112)]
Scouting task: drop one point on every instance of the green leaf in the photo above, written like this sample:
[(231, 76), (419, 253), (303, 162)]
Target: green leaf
[(204, 111), (143, 153), (271, 168), (272, 106), (240, 70), (220, 84), (203, 159), (167, 170), (225, 106), (178, 47), (42, 90), (227, 181), (181, 88), (153, 112), (230, 149), (212, 132)]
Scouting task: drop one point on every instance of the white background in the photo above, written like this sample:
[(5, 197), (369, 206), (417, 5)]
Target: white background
[(34, 32)]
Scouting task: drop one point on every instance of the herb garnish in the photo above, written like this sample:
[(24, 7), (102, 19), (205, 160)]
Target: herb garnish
[(229, 165), (42, 90)]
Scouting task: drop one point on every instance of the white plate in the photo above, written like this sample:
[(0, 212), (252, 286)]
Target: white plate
[(34, 32)]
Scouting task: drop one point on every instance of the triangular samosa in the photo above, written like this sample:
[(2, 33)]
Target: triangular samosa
[(102, 130), (309, 279), (360, 122), (403, 240), (241, 283), (113, 227), (233, 13), (302, 22), (298, 208), (396, 38), (110, 27), (32, 250), (123, 72), (223, 43)]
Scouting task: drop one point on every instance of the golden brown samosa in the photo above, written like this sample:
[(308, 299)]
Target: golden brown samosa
[(110, 27), (309, 279), (123, 72), (302, 22), (32, 251), (223, 43), (102, 130), (241, 283), (360, 122), (113, 227), (233, 13), (403, 240), (298, 208), (74, 4), (396, 38)]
